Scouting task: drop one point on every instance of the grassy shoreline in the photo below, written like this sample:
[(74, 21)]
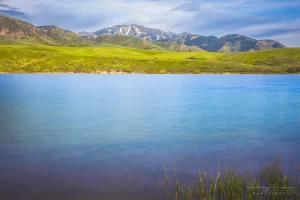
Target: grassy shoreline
[(128, 73)]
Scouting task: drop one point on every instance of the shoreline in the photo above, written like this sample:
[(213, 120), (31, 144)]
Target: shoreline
[(106, 72)]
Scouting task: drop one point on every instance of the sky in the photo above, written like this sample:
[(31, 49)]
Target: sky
[(261, 19)]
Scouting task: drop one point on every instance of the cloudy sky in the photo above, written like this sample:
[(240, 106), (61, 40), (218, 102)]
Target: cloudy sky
[(261, 19)]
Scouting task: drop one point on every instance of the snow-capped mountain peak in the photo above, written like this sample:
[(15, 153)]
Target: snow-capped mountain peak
[(141, 32)]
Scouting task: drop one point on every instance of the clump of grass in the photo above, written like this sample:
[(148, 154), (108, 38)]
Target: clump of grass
[(191, 58), (269, 184)]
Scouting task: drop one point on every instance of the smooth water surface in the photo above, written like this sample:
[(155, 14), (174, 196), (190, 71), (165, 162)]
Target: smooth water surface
[(108, 136)]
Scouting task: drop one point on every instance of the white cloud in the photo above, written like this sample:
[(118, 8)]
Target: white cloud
[(262, 28), (4, 8)]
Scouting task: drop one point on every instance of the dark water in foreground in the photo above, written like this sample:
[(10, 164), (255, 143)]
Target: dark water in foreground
[(108, 136)]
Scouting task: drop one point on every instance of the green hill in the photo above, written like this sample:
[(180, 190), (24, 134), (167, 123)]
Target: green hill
[(127, 41), (12, 28), (61, 36)]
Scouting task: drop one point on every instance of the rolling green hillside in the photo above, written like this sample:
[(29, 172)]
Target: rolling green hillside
[(23, 58)]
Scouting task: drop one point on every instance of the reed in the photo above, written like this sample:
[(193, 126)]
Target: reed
[(271, 183)]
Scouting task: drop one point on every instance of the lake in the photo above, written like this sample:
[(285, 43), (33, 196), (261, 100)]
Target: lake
[(109, 136)]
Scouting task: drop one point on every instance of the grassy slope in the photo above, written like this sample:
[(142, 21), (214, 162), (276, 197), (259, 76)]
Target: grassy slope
[(179, 47), (26, 42), (40, 58)]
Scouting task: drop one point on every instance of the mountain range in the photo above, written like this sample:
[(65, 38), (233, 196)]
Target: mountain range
[(228, 43), (134, 36)]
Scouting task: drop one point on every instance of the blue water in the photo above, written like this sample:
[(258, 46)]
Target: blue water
[(107, 136)]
